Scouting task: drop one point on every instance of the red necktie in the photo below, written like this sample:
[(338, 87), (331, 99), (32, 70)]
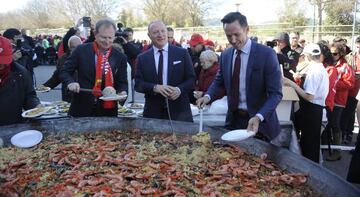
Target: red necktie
[(160, 67), (234, 97)]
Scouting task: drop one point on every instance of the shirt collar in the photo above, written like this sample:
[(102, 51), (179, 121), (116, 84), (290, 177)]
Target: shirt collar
[(165, 48), (246, 48)]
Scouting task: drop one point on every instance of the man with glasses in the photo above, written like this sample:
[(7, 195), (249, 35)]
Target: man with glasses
[(294, 37), (97, 66)]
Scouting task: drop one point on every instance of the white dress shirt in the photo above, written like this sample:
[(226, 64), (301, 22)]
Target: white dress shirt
[(165, 53), (245, 53)]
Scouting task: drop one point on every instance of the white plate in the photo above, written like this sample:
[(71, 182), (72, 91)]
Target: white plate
[(113, 98), (135, 105), (26, 139), (237, 135), (25, 114), (42, 90)]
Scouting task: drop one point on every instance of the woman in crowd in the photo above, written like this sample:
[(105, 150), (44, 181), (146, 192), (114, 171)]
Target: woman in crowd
[(210, 66)]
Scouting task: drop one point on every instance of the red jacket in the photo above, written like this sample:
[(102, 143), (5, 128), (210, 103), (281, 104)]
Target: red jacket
[(333, 77), (206, 77), (345, 83), (356, 60)]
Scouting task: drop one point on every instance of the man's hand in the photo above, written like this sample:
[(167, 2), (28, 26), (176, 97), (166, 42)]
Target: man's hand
[(74, 87), (253, 124), (121, 94), (164, 90), (198, 94), (17, 55), (175, 93), (201, 102)]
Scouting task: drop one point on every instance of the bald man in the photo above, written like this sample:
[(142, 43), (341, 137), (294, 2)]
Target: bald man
[(166, 76)]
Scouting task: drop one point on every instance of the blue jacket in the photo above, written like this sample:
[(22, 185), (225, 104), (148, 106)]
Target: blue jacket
[(263, 85)]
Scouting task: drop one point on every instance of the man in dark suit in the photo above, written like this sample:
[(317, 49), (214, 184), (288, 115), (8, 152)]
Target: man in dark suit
[(251, 76), (97, 66), (166, 76)]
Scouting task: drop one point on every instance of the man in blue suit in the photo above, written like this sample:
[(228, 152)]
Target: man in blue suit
[(166, 76), (250, 74)]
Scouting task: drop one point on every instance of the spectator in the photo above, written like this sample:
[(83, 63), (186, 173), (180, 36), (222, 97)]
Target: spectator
[(344, 84), (210, 66), (295, 36), (54, 80), (22, 53), (291, 56), (16, 89), (196, 47), (171, 37), (308, 118), (209, 45)]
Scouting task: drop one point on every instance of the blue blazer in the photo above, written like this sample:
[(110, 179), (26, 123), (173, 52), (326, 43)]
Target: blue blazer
[(263, 85), (180, 75)]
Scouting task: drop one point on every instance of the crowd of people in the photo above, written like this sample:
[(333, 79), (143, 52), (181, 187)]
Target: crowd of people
[(171, 75)]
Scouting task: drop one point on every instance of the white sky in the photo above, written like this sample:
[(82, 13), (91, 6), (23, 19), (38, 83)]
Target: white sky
[(257, 11)]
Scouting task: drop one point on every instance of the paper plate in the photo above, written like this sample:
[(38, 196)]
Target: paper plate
[(135, 105), (26, 139), (113, 98), (36, 112), (42, 89), (237, 135)]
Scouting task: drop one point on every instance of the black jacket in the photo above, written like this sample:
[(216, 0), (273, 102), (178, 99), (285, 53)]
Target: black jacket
[(17, 94), (54, 80), (82, 60)]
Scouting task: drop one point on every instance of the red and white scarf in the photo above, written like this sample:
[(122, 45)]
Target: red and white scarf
[(103, 60)]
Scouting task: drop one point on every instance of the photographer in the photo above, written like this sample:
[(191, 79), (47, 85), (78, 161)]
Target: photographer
[(131, 50), (23, 54)]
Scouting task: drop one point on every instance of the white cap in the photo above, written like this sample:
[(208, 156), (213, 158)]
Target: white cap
[(312, 49)]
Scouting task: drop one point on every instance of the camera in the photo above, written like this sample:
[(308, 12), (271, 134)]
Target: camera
[(271, 44), (24, 51), (120, 36), (86, 21)]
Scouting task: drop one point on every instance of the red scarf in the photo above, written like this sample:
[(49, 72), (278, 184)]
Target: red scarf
[(103, 60), (4, 74)]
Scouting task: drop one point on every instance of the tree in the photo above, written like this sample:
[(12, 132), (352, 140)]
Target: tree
[(181, 12), (293, 14), (339, 12)]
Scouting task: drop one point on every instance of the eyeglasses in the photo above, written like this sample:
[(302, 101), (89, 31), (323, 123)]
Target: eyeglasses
[(335, 54), (170, 37)]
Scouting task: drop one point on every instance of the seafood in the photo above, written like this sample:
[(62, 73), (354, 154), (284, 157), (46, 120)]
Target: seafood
[(132, 163)]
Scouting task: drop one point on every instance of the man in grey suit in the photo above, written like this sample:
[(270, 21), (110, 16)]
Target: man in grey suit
[(251, 76)]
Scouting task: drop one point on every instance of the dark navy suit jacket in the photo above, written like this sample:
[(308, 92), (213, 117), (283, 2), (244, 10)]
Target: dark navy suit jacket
[(82, 60), (263, 85), (181, 75)]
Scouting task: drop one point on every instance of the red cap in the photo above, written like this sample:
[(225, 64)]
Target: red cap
[(196, 39), (5, 51), (209, 43)]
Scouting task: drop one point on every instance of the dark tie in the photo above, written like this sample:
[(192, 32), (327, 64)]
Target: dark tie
[(234, 97), (160, 67)]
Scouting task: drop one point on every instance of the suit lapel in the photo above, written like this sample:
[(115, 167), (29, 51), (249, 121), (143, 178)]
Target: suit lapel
[(152, 66), (170, 64), (229, 65), (250, 65)]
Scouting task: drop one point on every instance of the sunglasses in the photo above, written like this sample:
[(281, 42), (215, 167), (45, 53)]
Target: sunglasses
[(335, 54)]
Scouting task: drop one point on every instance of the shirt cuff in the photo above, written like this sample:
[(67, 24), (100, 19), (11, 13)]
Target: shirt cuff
[(260, 116), (178, 89), (208, 96)]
